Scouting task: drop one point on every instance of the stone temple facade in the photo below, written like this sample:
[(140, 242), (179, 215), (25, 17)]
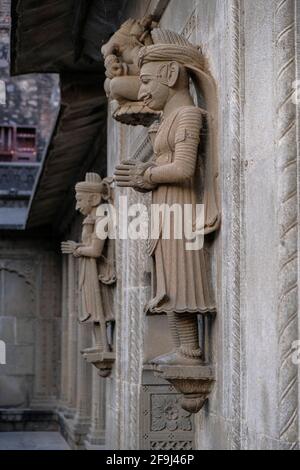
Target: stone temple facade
[(248, 387)]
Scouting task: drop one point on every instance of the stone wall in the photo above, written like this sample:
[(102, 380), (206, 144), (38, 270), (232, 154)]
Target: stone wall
[(81, 402), (29, 323), (255, 402), (250, 47)]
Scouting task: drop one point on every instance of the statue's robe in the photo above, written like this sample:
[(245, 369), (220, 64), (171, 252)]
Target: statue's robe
[(180, 277), (96, 277)]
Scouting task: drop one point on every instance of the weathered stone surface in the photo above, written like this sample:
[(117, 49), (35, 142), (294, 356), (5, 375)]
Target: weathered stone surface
[(32, 441), (7, 329), (14, 391), (29, 322)]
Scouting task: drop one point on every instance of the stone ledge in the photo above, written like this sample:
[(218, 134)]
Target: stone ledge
[(195, 383), (103, 361), (28, 420), (203, 372)]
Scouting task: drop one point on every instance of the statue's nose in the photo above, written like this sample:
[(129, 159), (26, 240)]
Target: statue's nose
[(142, 94)]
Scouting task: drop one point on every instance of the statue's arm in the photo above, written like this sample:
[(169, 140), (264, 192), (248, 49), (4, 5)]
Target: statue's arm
[(69, 247), (94, 250), (186, 151)]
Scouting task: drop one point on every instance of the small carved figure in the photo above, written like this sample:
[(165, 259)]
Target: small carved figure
[(180, 277), (97, 259), (122, 71)]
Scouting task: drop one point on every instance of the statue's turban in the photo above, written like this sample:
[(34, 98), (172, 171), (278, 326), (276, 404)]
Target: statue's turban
[(92, 184)]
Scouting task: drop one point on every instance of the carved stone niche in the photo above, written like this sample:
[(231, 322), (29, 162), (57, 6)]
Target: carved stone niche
[(97, 274), (122, 84)]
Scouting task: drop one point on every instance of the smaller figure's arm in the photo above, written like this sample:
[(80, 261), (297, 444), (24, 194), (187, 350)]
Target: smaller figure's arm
[(187, 140), (94, 250), (69, 247)]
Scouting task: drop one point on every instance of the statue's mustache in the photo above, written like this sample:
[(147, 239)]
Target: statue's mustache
[(146, 97)]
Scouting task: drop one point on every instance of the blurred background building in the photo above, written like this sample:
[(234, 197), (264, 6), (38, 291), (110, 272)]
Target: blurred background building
[(27, 115)]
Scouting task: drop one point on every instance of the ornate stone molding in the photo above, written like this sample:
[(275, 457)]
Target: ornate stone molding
[(285, 52), (164, 424), (234, 257), (190, 25)]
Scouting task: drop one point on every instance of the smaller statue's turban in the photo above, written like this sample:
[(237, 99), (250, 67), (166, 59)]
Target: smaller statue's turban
[(92, 184)]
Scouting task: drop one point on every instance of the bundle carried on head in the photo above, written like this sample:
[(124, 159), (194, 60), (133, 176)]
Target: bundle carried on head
[(169, 46)]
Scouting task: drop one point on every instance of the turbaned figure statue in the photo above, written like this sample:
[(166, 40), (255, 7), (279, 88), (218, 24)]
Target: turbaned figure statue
[(180, 282), (97, 259)]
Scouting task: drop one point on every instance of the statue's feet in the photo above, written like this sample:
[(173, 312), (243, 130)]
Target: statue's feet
[(175, 358)]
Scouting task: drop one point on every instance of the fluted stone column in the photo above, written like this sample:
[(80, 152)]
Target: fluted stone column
[(84, 372), (64, 336), (96, 436), (288, 222), (72, 340)]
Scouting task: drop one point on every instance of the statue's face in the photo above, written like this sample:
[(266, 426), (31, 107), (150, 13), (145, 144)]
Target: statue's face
[(84, 203), (153, 91)]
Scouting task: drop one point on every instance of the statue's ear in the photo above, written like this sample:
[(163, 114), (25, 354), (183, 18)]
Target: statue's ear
[(95, 199), (173, 73)]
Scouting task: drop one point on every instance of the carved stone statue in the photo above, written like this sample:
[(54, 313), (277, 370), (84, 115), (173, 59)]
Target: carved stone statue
[(122, 71), (180, 278), (184, 171), (97, 261)]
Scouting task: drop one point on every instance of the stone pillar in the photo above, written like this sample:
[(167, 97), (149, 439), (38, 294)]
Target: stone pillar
[(72, 339), (132, 294), (83, 404), (47, 332), (96, 436), (288, 222), (83, 399), (64, 335)]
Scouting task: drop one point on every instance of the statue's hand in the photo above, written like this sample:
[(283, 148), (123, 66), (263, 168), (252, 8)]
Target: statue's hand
[(69, 247), (130, 174)]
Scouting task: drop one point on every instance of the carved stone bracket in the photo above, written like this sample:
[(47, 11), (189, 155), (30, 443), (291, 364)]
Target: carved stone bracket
[(135, 114), (194, 383), (103, 361)]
